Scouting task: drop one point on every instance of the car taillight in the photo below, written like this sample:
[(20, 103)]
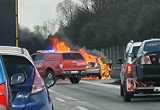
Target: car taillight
[(153, 59), (130, 85), (129, 68), (4, 103), (145, 60), (38, 83), (61, 65)]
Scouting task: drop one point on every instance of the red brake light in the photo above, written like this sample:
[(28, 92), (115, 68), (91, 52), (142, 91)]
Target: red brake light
[(153, 59), (4, 103), (146, 60), (129, 68), (38, 83)]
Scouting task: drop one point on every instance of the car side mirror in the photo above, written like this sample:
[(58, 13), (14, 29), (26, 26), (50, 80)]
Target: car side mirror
[(119, 61), (17, 78), (49, 82)]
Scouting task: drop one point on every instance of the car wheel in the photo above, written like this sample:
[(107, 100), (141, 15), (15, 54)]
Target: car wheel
[(127, 96), (121, 90), (50, 75), (74, 80), (99, 76)]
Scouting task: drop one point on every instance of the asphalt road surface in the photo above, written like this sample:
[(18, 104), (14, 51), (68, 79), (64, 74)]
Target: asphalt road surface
[(95, 95)]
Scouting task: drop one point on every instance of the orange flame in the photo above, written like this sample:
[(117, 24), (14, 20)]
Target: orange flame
[(86, 56), (59, 45)]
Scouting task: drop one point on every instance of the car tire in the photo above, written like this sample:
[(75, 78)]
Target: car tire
[(50, 75), (127, 96), (121, 90), (74, 80), (99, 76)]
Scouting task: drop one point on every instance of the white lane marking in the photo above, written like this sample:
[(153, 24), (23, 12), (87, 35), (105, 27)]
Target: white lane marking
[(103, 85), (62, 95), (59, 99), (81, 108)]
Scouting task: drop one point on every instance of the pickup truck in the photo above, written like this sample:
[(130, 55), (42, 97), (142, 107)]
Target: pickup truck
[(60, 65)]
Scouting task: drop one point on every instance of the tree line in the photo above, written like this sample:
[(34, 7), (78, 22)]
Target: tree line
[(105, 23), (98, 24)]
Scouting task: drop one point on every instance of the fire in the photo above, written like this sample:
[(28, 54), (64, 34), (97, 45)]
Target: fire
[(59, 45), (105, 69), (86, 56)]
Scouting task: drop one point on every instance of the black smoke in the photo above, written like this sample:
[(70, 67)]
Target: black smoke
[(31, 41)]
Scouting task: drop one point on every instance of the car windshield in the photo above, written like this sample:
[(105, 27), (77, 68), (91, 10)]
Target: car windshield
[(152, 46)]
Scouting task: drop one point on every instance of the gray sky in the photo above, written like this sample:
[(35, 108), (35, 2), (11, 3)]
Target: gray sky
[(35, 12)]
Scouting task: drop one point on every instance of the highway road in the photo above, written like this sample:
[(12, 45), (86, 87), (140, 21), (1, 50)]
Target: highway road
[(95, 95)]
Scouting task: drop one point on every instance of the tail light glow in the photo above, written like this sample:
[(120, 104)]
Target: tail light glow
[(4, 103), (130, 85), (129, 68), (38, 83), (153, 59)]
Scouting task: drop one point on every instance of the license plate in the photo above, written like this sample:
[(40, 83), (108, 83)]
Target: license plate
[(74, 72)]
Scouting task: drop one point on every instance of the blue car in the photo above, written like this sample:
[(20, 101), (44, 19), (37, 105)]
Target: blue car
[(27, 90)]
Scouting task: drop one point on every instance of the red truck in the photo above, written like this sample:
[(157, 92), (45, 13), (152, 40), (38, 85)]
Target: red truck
[(60, 65)]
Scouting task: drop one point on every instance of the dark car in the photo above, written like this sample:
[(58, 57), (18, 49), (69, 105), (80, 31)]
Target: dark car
[(147, 64), (26, 86)]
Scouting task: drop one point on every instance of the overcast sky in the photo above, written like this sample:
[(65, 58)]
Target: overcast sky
[(35, 12)]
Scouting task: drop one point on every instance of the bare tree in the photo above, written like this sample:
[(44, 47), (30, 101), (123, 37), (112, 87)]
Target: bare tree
[(65, 11), (48, 27)]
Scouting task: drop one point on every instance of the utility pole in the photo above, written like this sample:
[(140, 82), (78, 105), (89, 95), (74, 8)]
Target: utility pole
[(16, 10)]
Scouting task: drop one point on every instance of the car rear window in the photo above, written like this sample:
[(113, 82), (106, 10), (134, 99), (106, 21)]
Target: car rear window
[(38, 57), (152, 46), (71, 56), (16, 64)]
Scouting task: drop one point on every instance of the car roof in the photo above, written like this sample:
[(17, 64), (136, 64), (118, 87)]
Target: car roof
[(15, 51), (46, 51), (153, 39), (136, 44)]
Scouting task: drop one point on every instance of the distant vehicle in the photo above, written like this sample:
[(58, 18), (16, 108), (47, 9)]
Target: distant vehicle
[(126, 67), (60, 65), (93, 68), (25, 84)]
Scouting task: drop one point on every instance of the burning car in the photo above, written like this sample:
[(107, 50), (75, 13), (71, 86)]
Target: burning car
[(93, 68)]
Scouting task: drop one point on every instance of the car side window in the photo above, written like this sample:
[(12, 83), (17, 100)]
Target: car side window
[(39, 57)]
